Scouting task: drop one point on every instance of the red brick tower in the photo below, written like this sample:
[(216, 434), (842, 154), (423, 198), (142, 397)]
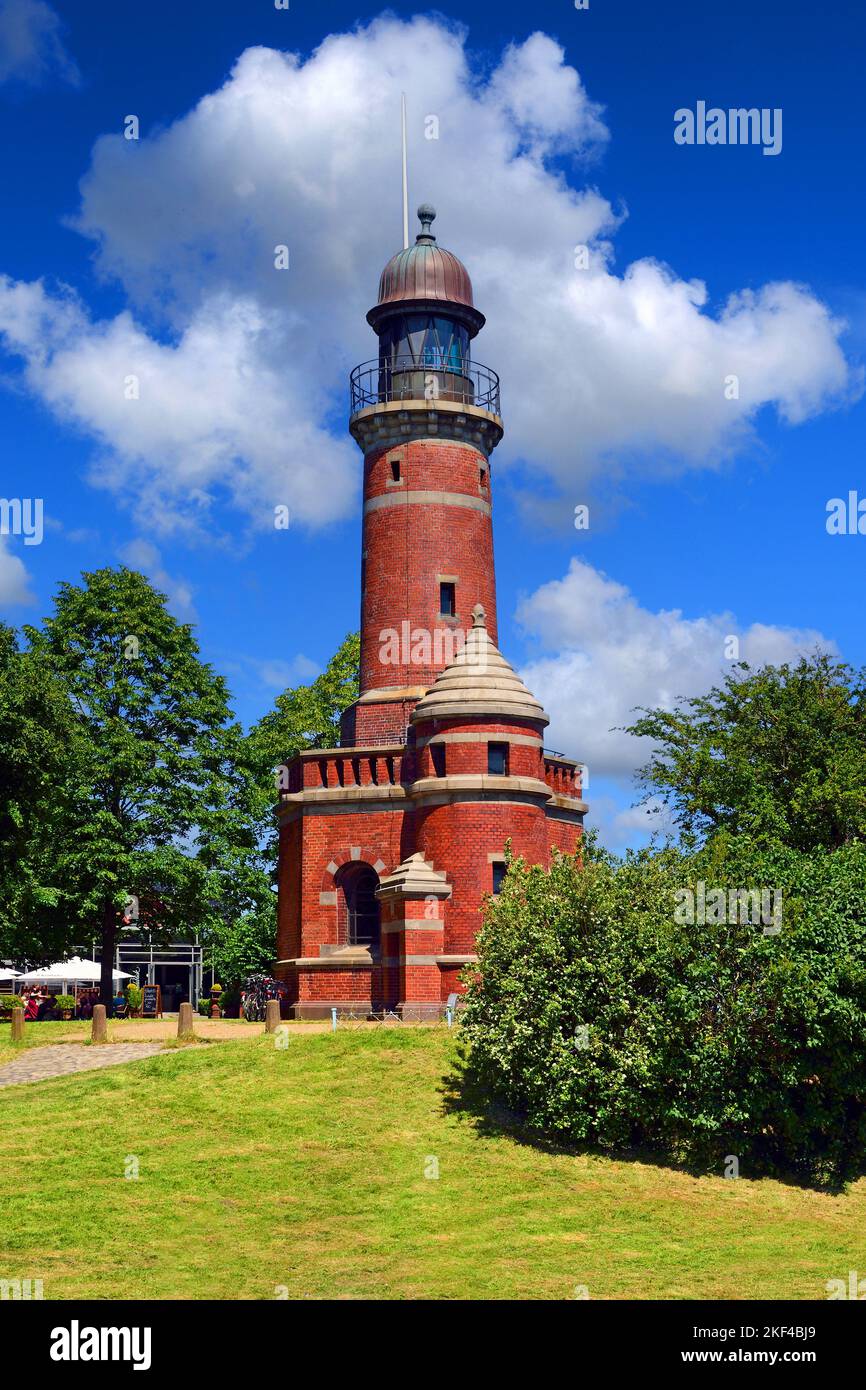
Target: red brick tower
[(427, 418), (389, 843)]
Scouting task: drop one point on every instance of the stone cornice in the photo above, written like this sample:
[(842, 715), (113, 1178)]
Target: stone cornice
[(397, 422), (480, 781)]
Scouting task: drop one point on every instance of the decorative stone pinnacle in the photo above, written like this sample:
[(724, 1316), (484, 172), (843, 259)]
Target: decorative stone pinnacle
[(479, 617)]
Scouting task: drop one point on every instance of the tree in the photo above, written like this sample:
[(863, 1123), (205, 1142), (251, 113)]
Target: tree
[(37, 747), (778, 754), (307, 716), (162, 810), (602, 1013), (240, 937)]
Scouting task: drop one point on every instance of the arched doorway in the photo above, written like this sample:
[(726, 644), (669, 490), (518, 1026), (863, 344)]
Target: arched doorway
[(358, 906)]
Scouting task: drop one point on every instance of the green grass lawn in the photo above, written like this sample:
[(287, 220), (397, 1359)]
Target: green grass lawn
[(305, 1168)]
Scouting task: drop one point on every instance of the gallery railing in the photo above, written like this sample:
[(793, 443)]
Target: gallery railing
[(431, 378)]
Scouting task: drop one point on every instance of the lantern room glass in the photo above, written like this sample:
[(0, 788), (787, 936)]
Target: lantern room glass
[(427, 340)]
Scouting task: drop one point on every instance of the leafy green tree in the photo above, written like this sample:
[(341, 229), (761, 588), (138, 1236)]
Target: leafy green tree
[(163, 812), (240, 936), (306, 716), (38, 737), (600, 1014), (778, 754)]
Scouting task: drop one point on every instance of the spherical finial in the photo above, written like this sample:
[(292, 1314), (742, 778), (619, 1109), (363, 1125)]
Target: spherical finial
[(426, 216), (479, 617)]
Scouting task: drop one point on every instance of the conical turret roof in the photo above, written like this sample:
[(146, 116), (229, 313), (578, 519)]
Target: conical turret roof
[(479, 681)]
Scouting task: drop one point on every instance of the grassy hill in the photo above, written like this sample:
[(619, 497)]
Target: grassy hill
[(266, 1172)]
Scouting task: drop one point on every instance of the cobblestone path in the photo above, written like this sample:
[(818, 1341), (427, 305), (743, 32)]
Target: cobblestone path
[(66, 1059)]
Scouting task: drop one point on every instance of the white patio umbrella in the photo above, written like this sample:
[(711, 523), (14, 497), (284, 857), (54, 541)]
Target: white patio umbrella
[(76, 970)]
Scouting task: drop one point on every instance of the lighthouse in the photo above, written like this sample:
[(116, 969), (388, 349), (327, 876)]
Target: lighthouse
[(390, 843)]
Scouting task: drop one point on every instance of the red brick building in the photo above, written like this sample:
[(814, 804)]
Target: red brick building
[(389, 843)]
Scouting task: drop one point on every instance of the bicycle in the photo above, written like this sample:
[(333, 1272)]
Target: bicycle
[(257, 990)]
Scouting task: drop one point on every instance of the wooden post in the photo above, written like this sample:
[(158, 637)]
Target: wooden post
[(99, 1027), (184, 1021), (272, 1016), (17, 1025)]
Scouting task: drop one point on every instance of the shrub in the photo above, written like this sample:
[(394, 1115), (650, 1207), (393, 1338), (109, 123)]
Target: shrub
[(204, 1008), (8, 1002), (230, 1002), (65, 1002), (134, 996), (600, 1019)]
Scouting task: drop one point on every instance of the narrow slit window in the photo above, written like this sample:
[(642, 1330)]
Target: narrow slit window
[(437, 757), (499, 872), (497, 759), (447, 600), (395, 470)]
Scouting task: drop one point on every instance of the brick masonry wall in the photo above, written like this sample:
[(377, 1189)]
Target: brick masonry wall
[(289, 892), (381, 723), (465, 744), (563, 835), (459, 836), (405, 548)]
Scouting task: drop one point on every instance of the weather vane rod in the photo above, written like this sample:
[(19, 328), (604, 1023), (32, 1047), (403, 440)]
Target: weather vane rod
[(405, 177)]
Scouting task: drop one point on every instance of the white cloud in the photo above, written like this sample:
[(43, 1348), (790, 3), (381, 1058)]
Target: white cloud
[(247, 395), (139, 554), (612, 656), (621, 825), (180, 422), (14, 580), (280, 675), (31, 47)]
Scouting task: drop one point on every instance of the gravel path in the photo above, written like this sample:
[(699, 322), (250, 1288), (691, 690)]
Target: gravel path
[(65, 1059)]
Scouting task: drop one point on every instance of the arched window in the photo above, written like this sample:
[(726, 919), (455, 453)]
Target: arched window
[(358, 905)]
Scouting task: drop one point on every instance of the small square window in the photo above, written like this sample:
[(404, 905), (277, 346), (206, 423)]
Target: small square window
[(499, 872), (497, 759), (447, 600), (437, 757)]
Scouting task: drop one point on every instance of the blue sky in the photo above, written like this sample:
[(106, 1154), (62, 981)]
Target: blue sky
[(700, 526)]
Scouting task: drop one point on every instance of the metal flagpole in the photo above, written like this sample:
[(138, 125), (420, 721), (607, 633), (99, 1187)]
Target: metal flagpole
[(405, 176)]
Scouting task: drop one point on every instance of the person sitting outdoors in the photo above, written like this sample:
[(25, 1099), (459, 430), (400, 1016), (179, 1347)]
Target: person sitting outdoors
[(31, 1008), (119, 1005)]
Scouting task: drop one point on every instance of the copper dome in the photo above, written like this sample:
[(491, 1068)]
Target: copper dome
[(425, 272)]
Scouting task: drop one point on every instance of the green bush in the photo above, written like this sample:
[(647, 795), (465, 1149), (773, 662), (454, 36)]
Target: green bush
[(204, 1008), (134, 996), (65, 1002), (230, 1002), (600, 1018), (8, 1002)]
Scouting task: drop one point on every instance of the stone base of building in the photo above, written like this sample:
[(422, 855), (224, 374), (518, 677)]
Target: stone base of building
[(321, 1008)]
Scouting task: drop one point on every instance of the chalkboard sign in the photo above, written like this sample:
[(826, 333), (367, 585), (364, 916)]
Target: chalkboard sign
[(151, 1002)]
